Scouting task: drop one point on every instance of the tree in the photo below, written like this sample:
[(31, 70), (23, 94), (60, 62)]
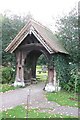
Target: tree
[(11, 25), (68, 34), (42, 60)]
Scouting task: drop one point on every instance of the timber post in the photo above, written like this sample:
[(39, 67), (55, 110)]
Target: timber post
[(19, 80)]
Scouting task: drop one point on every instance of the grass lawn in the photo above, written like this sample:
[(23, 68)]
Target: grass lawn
[(6, 87), (21, 112), (63, 98), (42, 76)]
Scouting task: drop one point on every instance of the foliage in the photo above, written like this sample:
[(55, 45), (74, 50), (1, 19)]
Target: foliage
[(42, 60), (60, 62), (21, 111), (63, 98), (8, 74), (42, 76), (68, 34), (74, 82), (6, 87), (11, 25)]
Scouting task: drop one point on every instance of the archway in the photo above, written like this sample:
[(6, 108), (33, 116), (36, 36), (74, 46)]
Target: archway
[(42, 68), (30, 64)]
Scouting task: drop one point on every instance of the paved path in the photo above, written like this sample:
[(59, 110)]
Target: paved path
[(37, 100)]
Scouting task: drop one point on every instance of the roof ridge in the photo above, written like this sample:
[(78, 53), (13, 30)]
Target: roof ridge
[(37, 22)]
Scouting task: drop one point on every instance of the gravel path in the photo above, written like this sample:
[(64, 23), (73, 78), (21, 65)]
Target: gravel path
[(37, 100)]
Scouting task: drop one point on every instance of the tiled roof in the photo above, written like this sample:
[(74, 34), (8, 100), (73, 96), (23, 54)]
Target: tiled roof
[(50, 40)]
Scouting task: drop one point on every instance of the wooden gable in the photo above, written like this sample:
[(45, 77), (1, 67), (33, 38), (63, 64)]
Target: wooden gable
[(43, 35)]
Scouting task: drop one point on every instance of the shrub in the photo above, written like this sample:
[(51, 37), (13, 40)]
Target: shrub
[(67, 74), (74, 81), (8, 74)]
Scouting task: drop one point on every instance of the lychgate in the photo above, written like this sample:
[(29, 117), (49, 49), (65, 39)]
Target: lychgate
[(33, 40)]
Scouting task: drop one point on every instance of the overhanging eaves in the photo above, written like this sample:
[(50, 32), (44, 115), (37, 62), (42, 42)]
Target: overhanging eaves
[(42, 41), (30, 31)]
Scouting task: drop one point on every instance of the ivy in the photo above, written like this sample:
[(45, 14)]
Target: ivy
[(67, 74), (61, 65)]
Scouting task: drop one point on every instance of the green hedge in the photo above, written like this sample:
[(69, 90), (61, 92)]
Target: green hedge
[(67, 74), (8, 74)]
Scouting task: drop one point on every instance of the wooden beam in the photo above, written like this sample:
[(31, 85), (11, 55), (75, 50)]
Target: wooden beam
[(31, 45)]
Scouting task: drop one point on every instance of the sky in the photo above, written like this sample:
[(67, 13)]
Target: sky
[(44, 11)]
